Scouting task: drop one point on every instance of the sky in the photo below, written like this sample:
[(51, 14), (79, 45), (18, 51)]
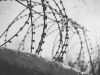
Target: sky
[(84, 12)]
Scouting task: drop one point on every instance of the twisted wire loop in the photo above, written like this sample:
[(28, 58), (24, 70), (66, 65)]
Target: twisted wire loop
[(44, 28), (32, 25), (70, 36)]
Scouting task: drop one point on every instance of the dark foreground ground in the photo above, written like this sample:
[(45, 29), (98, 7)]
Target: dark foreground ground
[(14, 63)]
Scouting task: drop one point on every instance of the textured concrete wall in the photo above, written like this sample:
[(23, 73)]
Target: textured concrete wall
[(14, 63)]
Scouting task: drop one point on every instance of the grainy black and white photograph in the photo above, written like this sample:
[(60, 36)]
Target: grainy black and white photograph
[(49, 37)]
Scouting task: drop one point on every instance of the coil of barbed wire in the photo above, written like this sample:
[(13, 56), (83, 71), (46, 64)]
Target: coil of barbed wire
[(42, 23)]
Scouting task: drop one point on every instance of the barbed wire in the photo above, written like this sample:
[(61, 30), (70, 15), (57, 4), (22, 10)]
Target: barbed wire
[(66, 30)]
